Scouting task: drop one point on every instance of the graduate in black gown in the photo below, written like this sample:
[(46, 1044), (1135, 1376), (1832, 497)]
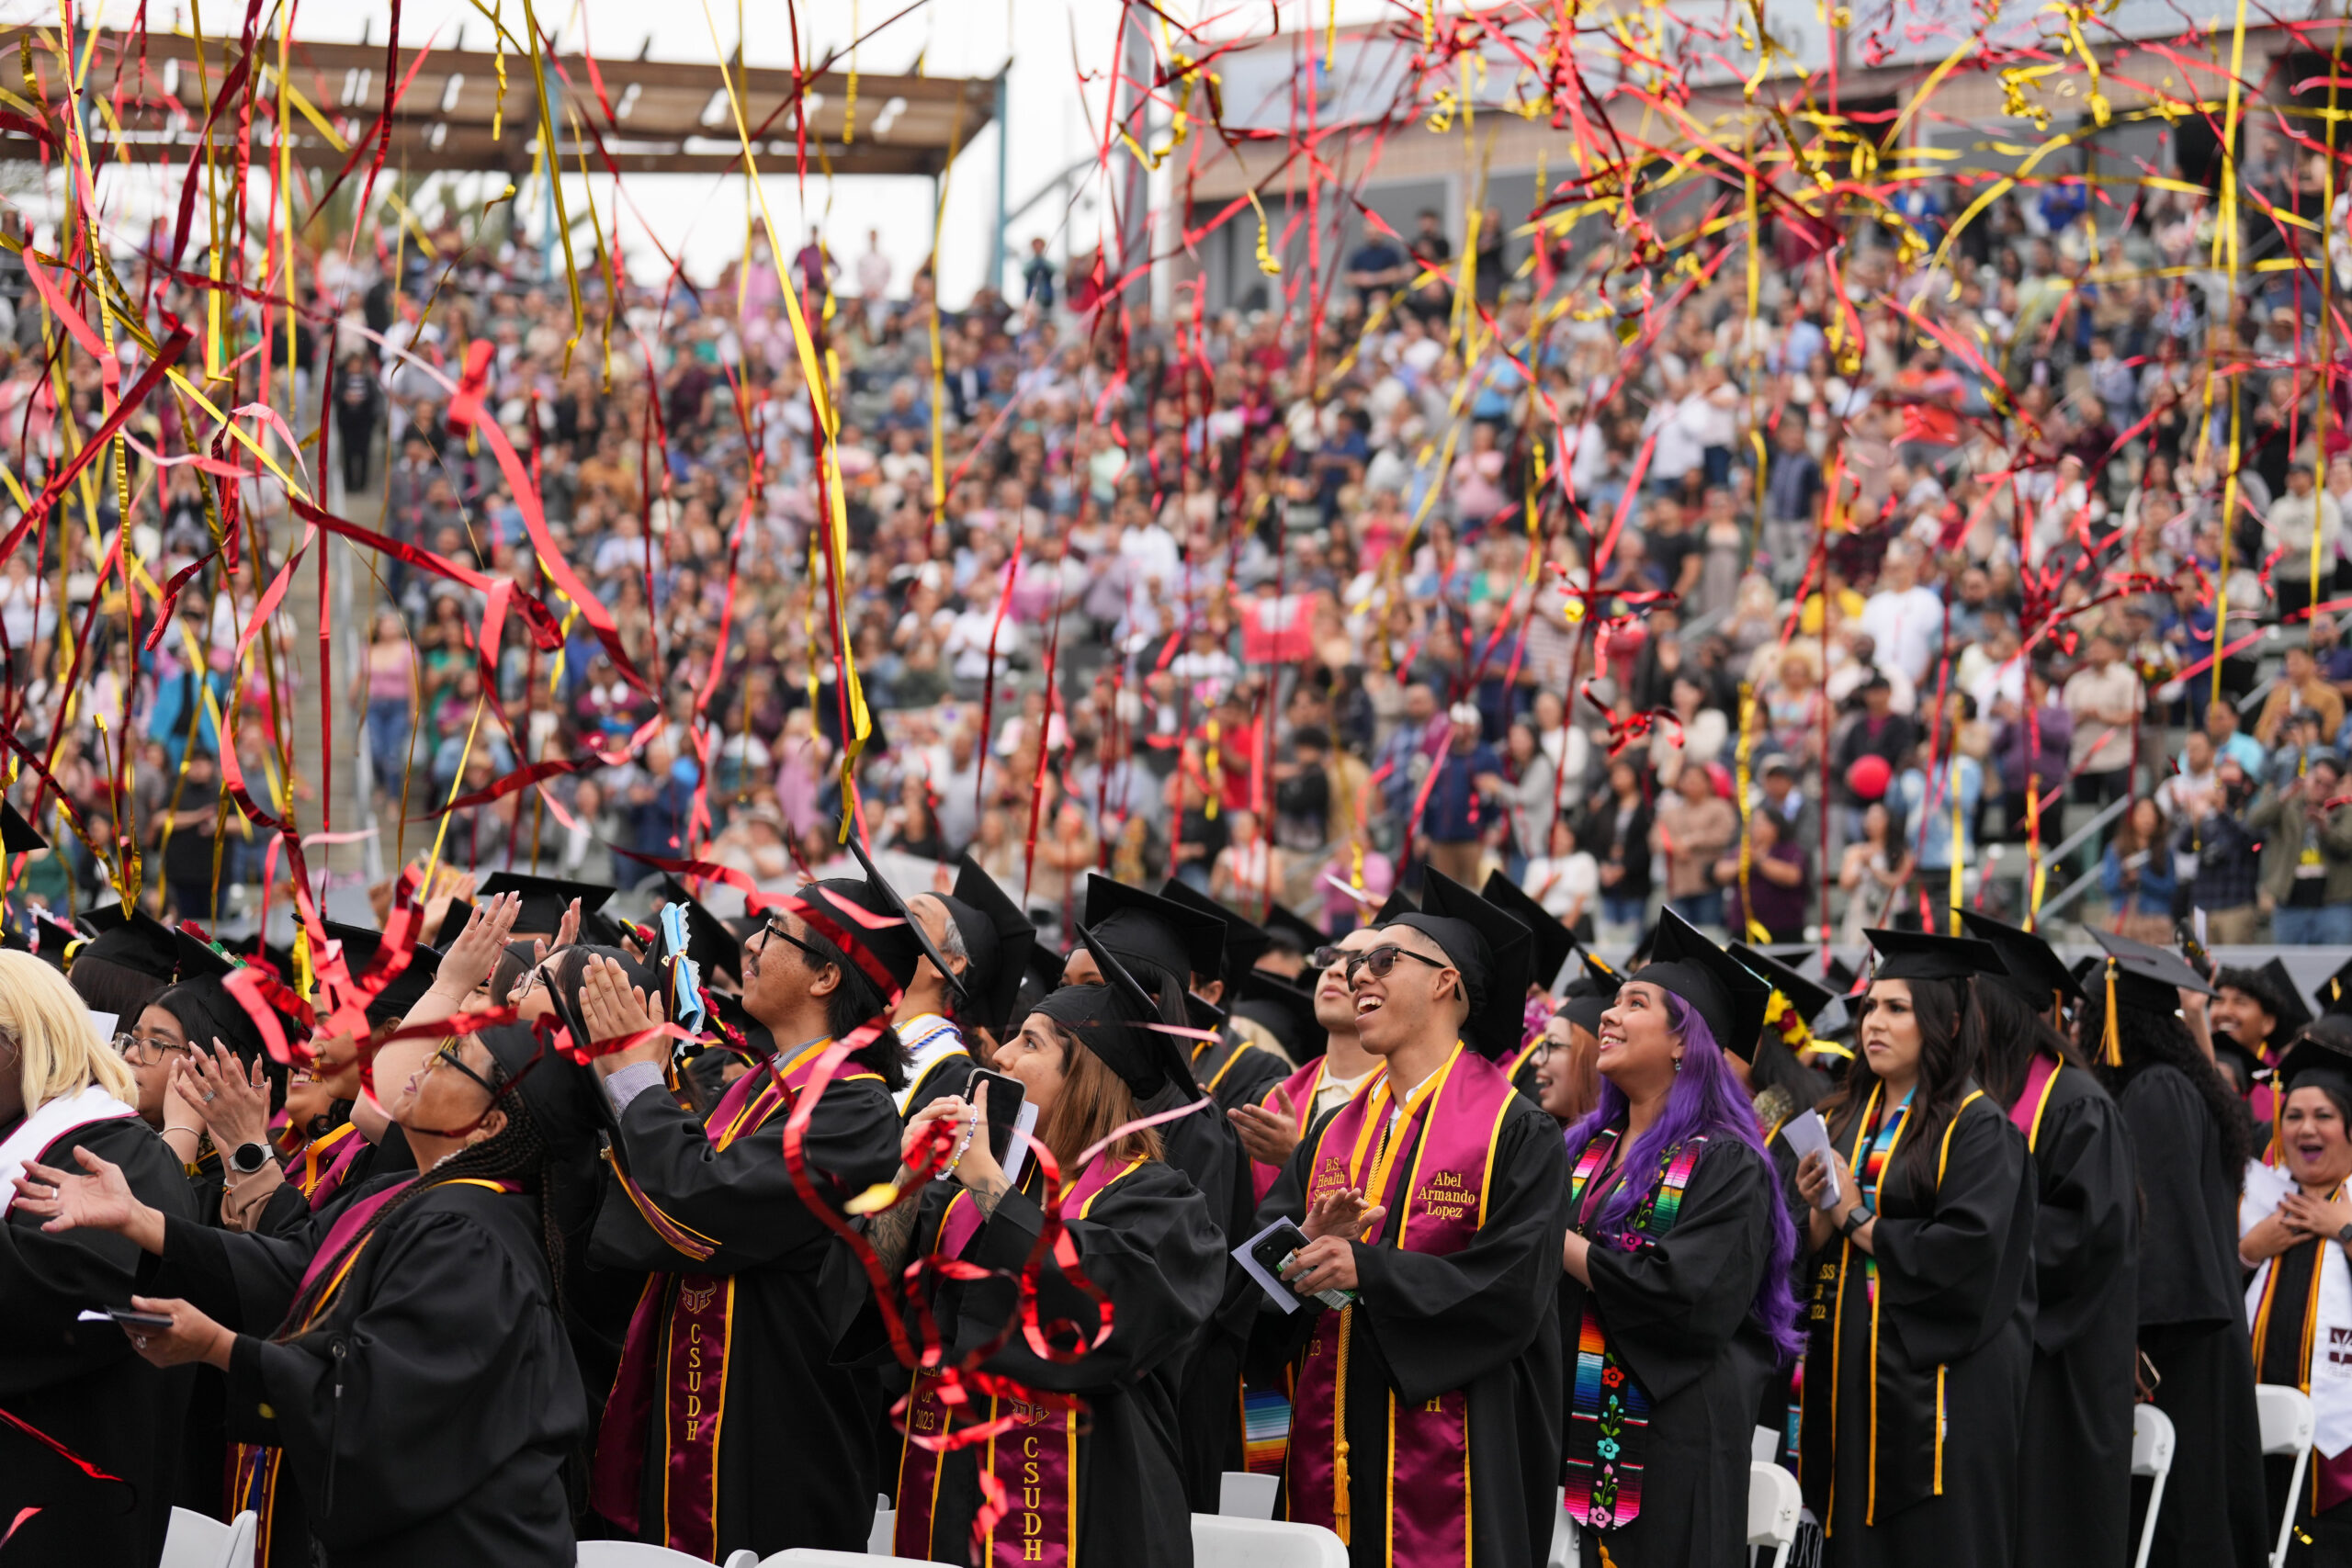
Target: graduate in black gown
[(1099, 1483), (64, 1094), (1553, 945), (726, 1384), (2194, 1139), (1172, 946), (1678, 1306), (987, 938), (407, 1360), (1427, 1421), (2074, 1462), (2295, 1218), (1922, 1314)]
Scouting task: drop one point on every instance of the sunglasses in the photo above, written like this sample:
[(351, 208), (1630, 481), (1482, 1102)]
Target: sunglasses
[(1379, 961)]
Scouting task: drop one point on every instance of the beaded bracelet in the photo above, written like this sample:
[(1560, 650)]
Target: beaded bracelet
[(958, 1157)]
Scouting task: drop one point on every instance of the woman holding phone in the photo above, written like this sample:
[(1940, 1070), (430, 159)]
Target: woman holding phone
[(428, 1306), (1104, 1485), (1922, 1321), (1677, 1267)]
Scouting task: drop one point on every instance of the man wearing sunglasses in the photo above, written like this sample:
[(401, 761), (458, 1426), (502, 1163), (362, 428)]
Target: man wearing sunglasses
[(1435, 1202), (726, 1384)]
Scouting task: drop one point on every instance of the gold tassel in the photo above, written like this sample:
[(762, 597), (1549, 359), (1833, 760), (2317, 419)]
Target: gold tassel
[(2113, 1032)]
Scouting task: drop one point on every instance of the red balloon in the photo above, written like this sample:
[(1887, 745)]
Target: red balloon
[(1869, 777)]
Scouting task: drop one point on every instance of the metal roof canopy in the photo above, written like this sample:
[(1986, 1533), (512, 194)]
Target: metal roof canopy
[(667, 116)]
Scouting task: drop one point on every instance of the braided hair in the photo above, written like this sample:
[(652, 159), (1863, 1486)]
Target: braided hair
[(519, 1151)]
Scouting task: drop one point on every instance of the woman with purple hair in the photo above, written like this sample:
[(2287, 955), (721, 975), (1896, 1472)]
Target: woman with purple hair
[(1923, 1298), (1676, 1268)]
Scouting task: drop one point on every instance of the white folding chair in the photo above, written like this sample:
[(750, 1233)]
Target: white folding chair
[(811, 1557), (1246, 1494), (885, 1533), (196, 1541), (1774, 1503), (1220, 1542), (2286, 1417), (2152, 1445), (1564, 1535), (637, 1554)]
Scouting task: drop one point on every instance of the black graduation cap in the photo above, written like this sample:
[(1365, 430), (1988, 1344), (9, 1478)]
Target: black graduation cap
[(708, 942), (1119, 1022), (199, 957), (1244, 938), (100, 918), (1926, 955), (1718, 987), (54, 937), (2276, 990), (1491, 949), (1286, 929), (887, 933), (360, 946), (2030, 963), (1808, 996), (894, 904), (453, 924), (999, 938), (1397, 903), (138, 942), (1144, 928), (1591, 993), (2321, 1055), (2148, 977), (2336, 992), (18, 837), (1293, 1003), (544, 899), (1554, 942)]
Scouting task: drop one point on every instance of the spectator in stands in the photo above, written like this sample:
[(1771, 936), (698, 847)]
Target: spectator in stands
[(2301, 689), (1694, 825), (2307, 855), (2105, 697)]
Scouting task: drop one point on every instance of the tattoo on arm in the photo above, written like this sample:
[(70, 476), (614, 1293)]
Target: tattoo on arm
[(988, 1192), (893, 1231)]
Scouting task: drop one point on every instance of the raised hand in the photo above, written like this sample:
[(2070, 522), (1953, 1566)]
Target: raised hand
[(233, 1102), (191, 1337), (1269, 1136), (96, 1199), (476, 951), (615, 1010), (1344, 1214)]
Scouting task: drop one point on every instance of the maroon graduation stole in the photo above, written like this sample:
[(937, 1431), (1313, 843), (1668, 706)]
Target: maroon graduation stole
[(1035, 1455), (322, 1178), (254, 1467), (1608, 1410), (1435, 1205), (679, 1338)]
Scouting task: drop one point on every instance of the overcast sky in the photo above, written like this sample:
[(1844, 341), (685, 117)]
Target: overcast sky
[(1053, 122)]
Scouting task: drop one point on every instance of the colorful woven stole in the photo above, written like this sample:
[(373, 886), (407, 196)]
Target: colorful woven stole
[(1881, 1146), (1436, 1201), (1036, 1456), (679, 1338), (1608, 1411)]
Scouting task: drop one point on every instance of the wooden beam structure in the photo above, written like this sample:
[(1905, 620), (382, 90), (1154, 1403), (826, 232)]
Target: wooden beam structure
[(146, 98)]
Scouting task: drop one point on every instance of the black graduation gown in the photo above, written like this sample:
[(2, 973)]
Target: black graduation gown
[(1205, 1146), (2192, 1329), (427, 1413), (1955, 1323), (81, 1383), (1147, 1243), (1485, 1320), (791, 1411), (204, 1452), (1236, 1071), (1678, 1313), (951, 1074), (2074, 1461)]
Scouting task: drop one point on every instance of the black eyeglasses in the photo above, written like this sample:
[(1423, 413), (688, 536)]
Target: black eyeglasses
[(1380, 960), (775, 928)]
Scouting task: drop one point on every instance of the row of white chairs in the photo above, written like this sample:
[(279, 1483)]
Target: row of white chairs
[(1244, 1534)]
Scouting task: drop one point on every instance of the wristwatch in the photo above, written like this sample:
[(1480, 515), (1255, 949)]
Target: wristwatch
[(1856, 1218), (248, 1158), (2344, 1237)]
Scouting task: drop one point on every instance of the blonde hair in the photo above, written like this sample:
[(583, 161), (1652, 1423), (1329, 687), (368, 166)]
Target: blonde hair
[(56, 1042)]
